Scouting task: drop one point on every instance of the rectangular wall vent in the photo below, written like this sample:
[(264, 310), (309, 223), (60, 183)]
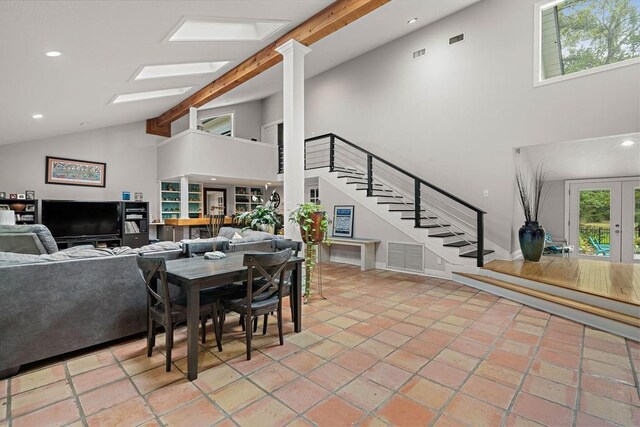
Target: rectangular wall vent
[(456, 39), (405, 256), (418, 53)]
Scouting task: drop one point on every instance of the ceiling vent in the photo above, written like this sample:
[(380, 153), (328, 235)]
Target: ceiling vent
[(405, 256), (456, 39), (418, 53)]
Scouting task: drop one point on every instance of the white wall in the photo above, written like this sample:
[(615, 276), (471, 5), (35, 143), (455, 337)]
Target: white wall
[(552, 212), (130, 155), (199, 153), (366, 224), (454, 116)]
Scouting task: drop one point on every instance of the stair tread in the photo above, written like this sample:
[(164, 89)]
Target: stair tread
[(391, 202), (433, 226), (363, 182), (377, 189), (460, 243), (422, 217), (598, 311), (474, 254), (446, 234), (404, 210)]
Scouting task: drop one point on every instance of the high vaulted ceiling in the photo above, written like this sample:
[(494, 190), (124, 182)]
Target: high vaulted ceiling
[(104, 44)]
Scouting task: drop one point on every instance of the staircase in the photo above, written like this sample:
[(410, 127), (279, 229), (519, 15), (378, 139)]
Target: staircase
[(454, 222)]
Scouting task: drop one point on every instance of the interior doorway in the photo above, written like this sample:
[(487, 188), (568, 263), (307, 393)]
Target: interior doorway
[(215, 200), (604, 219)]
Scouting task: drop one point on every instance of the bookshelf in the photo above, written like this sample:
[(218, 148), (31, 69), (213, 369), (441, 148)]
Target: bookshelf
[(28, 213), (135, 224), (170, 200), (195, 200), (248, 198)]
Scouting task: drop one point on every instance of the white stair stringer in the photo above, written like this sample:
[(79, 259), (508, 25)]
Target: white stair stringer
[(451, 255)]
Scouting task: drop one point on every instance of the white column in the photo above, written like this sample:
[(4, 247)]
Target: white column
[(184, 197), (293, 116), (193, 118)]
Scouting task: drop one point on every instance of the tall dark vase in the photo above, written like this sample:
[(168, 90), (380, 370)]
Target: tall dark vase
[(531, 240)]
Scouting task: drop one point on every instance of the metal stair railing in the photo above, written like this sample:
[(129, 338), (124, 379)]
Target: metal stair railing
[(332, 151)]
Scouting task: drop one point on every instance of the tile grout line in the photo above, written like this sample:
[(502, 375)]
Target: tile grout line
[(76, 397), (633, 366), (579, 391), (9, 399)]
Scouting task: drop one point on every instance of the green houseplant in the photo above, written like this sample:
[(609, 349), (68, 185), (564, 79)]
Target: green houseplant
[(314, 223), (263, 218)]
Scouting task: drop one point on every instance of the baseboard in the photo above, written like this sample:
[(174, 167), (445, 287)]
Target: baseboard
[(441, 274), (516, 255)]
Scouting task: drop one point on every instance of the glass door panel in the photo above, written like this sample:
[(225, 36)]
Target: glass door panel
[(595, 222)]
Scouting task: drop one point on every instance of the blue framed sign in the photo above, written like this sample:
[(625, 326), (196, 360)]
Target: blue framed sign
[(343, 221)]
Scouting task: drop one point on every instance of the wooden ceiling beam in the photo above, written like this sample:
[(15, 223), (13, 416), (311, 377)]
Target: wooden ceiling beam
[(329, 20)]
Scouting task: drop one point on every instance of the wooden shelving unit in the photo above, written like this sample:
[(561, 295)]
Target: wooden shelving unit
[(28, 215)]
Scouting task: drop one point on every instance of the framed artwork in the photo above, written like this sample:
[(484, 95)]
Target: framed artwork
[(21, 196), (75, 172), (343, 221), (5, 208), (13, 196), (31, 195), (3, 195)]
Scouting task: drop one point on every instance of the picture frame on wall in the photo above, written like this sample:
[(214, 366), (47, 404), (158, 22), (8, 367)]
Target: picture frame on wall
[(75, 172), (5, 208), (3, 195), (31, 194), (343, 220)]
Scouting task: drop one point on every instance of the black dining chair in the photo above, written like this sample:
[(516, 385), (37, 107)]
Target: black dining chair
[(265, 273), (165, 310), (296, 247)]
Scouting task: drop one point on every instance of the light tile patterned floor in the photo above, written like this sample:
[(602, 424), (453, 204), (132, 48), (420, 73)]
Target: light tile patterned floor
[(384, 349)]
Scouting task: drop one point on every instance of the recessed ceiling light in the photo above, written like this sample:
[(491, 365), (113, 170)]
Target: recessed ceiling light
[(53, 53), (195, 30), (140, 96), (171, 70), (214, 179), (627, 143), (412, 20), (37, 116)]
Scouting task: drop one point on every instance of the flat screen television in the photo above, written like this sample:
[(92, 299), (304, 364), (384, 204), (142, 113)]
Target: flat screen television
[(69, 219)]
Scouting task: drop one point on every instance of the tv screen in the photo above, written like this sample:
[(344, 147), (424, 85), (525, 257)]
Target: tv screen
[(78, 219)]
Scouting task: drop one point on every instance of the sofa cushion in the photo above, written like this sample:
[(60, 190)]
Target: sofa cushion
[(43, 233), (160, 246), (228, 232), (81, 251)]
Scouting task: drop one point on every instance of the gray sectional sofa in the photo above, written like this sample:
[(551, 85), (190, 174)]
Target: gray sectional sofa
[(61, 301)]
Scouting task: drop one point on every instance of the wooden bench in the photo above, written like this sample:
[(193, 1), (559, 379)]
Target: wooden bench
[(367, 250)]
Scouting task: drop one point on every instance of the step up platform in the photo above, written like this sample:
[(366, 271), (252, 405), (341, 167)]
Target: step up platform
[(570, 288)]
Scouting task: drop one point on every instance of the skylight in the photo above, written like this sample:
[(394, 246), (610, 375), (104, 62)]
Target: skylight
[(174, 70), (140, 96), (194, 29)]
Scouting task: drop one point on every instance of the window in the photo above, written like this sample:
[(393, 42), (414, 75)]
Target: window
[(218, 125), (578, 37)]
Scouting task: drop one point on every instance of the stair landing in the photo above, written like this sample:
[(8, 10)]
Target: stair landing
[(598, 293)]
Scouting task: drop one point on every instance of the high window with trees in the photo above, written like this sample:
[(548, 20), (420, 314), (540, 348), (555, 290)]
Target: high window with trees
[(578, 36)]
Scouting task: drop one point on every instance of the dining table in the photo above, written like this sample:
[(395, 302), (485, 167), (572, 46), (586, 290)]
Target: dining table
[(195, 274)]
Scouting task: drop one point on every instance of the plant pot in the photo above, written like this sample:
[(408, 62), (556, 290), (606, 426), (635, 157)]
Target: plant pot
[(266, 228), (531, 237), (316, 235)]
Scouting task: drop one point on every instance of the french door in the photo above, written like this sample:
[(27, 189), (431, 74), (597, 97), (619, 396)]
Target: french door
[(603, 219)]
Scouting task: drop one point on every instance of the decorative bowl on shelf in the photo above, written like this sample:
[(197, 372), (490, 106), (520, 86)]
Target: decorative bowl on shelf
[(18, 207)]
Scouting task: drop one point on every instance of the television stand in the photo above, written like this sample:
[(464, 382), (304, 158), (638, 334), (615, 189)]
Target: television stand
[(97, 242)]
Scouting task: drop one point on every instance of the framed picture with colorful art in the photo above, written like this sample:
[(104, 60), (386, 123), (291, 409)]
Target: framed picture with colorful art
[(75, 172), (343, 221)]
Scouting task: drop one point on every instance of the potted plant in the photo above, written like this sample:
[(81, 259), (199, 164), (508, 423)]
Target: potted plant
[(262, 218), (314, 223), (531, 234)]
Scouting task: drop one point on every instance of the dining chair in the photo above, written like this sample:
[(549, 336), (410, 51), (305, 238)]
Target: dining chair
[(267, 270), (165, 310)]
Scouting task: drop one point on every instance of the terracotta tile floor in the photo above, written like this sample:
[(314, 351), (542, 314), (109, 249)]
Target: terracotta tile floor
[(384, 348)]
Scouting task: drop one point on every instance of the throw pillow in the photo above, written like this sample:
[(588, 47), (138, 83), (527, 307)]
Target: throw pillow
[(236, 236)]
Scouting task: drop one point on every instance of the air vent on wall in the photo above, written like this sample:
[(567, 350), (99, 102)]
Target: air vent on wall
[(405, 256), (456, 39), (418, 53)]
